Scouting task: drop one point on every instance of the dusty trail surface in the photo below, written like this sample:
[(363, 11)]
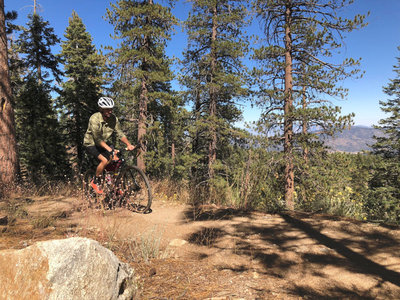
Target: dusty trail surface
[(222, 253)]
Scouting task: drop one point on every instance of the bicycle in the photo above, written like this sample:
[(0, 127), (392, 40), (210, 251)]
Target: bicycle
[(123, 186)]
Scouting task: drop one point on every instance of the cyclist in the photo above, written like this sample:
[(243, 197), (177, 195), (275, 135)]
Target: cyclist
[(102, 126)]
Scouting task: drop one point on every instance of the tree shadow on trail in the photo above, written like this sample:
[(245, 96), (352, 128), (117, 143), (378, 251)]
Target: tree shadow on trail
[(206, 236), (290, 243), (331, 294), (362, 263), (210, 213)]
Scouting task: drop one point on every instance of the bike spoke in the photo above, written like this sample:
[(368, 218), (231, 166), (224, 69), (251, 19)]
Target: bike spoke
[(136, 190)]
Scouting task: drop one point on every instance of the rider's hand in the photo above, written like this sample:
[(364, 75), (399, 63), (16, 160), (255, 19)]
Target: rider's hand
[(115, 156), (130, 147)]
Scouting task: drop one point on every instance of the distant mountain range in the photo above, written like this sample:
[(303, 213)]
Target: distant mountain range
[(355, 139)]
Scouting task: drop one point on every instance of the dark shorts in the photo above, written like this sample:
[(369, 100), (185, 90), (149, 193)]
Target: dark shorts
[(97, 150)]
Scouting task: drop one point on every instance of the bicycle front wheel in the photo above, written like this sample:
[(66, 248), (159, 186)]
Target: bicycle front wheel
[(135, 189)]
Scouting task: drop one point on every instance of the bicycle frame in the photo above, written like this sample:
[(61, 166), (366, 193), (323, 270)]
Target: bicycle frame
[(124, 186)]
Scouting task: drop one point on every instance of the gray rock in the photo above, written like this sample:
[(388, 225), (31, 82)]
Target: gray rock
[(74, 268)]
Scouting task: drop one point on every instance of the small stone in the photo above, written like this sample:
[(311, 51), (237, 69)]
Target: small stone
[(177, 243), (152, 272)]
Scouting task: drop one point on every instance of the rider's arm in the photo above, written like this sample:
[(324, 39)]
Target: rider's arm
[(105, 146), (129, 146)]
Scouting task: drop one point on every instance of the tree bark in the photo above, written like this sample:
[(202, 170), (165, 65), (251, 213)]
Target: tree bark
[(305, 143), (197, 113), (8, 145), (246, 183), (173, 154), (212, 147), (288, 110), (143, 101), (305, 125), (142, 125)]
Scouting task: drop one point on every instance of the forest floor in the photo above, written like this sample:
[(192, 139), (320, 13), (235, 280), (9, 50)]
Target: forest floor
[(222, 253)]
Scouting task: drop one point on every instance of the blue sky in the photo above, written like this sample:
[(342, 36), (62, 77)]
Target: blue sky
[(376, 44)]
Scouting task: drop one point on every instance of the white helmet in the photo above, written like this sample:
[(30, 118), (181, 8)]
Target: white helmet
[(105, 102)]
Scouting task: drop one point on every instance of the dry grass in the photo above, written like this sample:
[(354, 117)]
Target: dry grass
[(107, 228), (168, 190)]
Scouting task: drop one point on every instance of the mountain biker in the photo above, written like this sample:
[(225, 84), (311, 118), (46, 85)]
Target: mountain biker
[(102, 126)]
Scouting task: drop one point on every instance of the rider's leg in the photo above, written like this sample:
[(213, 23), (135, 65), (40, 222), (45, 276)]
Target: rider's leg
[(103, 163), (104, 159)]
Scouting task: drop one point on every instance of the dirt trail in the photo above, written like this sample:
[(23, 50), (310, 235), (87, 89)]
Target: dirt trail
[(221, 253)]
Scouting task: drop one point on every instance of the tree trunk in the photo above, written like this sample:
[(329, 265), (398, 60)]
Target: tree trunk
[(143, 101), (288, 111), (246, 183), (212, 147), (305, 126), (197, 113), (305, 142), (196, 137), (173, 154), (142, 125), (8, 145)]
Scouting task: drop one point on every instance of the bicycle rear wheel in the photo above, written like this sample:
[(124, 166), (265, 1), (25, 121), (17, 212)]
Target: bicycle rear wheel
[(135, 189)]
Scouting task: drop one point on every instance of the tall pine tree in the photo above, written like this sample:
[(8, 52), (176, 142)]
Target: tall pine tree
[(35, 42), (139, 63), (384, 201), (40, 140), (42, 150), (295, 75), (388, 145), (84, 68), (214, 76)]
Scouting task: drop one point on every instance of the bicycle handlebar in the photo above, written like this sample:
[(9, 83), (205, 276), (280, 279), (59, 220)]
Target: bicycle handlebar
[(121, 151)]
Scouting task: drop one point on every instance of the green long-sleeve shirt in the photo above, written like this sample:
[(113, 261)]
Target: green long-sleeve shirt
[(101, 130)]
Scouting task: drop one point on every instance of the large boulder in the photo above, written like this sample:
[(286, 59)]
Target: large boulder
[(73, 268)]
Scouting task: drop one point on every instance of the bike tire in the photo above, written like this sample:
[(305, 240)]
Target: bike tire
[(136, 190)]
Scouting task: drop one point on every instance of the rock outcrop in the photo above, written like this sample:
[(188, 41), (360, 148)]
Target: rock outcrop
[(73, 268)]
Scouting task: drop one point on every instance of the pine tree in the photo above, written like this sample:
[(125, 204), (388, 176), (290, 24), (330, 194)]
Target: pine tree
[(84, 68), (295, 72), (42, 151), (35, 42), (388, 145), (384, 202), (215, 77), (139, 63), (8, 146)]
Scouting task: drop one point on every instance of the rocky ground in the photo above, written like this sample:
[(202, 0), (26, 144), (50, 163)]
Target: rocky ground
[(222, 253)]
